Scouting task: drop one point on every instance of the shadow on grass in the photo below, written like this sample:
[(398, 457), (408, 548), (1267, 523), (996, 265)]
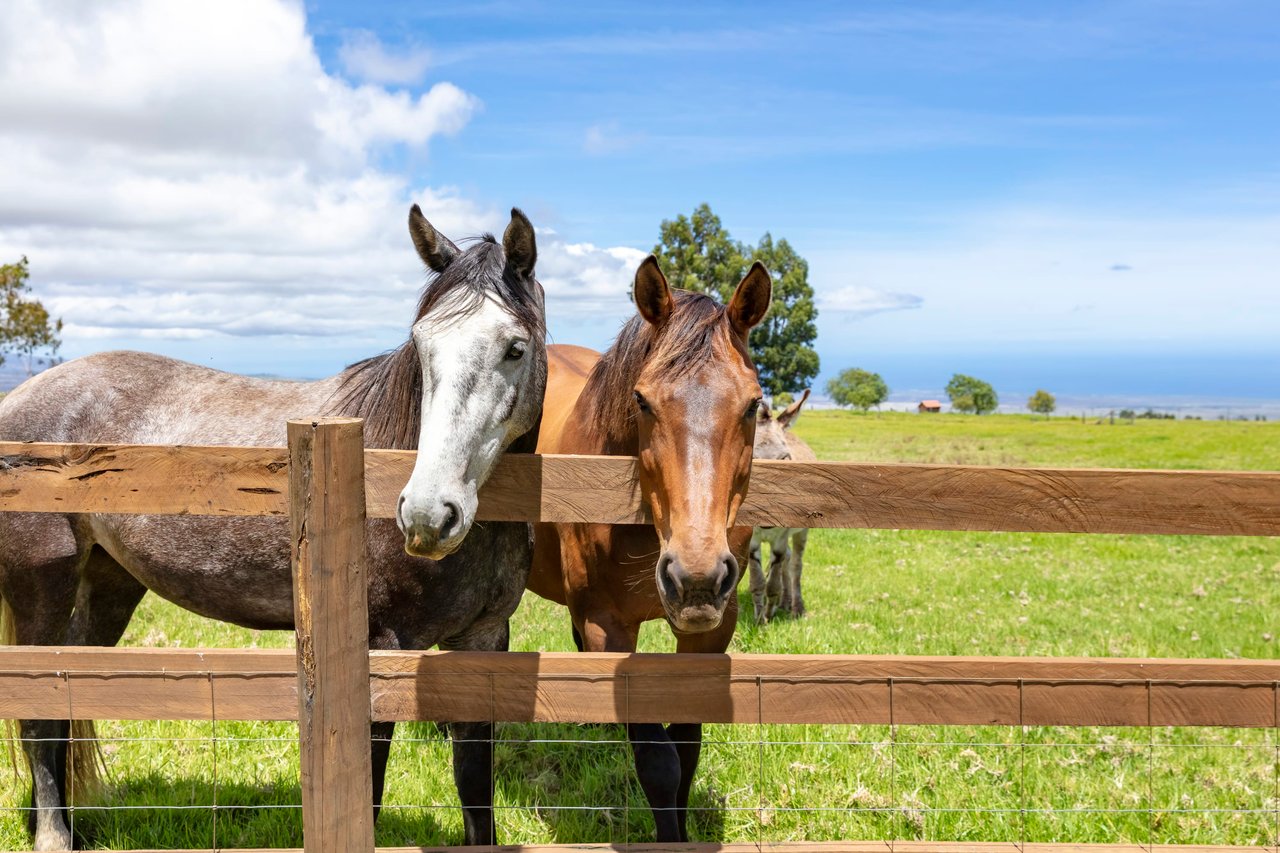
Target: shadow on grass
[(579, 782), (158, 811)]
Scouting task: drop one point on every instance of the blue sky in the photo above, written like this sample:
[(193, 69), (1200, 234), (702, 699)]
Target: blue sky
[(988, 186)]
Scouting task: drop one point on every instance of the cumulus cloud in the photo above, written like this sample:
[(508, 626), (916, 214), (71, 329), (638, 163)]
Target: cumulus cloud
[(191, 170), (364, 57), (857, 301)]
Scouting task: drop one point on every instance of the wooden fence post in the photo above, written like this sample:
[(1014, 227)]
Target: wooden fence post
[(330, 605)]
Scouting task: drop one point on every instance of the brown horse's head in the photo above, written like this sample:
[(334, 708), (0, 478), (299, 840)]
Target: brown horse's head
[(695, 396)]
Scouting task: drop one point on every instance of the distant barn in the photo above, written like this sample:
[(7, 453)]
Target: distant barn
[(929, 406)]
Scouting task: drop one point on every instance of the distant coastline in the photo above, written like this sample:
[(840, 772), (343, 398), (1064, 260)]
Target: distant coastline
[(1099, 405), (1209, 407)]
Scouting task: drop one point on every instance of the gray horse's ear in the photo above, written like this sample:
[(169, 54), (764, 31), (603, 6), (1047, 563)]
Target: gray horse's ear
[(434, 248), (788, 415), (652, 293), (750, 300), (519, 244), (764, 412)]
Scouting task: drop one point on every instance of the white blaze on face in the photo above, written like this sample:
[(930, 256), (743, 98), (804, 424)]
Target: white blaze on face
[(474, 367)]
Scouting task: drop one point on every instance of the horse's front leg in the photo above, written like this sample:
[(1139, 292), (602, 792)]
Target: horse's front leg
[(473, 774), (473, 749), (45, 745), (687, 737), (799, 540), (757, 583), (658, 761), (381, 733)]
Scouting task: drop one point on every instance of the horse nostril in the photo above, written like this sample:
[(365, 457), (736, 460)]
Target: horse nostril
[(729, 578), (452, 518), (671, 586)]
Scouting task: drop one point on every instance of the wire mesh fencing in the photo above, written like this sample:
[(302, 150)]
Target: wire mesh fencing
[(216, 783)]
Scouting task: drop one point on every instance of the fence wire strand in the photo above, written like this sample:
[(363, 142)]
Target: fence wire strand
[(915, 752)]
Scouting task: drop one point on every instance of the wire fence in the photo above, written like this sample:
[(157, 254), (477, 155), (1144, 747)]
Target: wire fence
[(223, 783)]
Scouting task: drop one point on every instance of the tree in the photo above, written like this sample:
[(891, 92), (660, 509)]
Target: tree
[(698, 254), (968, 394), (859, 388), (25, 326), (1042, 402)]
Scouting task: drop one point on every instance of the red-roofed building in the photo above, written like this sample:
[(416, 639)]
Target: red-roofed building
[(929, 406)]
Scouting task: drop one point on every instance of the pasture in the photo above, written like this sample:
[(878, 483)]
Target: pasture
[(868, 592)]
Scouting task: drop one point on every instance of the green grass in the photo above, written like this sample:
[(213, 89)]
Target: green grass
[(880, 591)]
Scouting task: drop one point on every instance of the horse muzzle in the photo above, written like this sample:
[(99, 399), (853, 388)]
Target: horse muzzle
[(695, 601), (434, 531)]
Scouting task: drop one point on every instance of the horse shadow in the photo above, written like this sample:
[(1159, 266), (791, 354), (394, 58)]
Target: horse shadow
[(577, 781)]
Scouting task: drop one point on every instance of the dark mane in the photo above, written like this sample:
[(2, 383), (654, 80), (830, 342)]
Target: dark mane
[(685, 341), (386, 390)]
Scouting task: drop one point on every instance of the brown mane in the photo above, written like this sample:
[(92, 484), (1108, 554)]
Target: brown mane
[(684, 341), (386, 390)]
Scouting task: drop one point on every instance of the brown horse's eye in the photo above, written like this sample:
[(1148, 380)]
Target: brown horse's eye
[(641, 402), (753, 408)]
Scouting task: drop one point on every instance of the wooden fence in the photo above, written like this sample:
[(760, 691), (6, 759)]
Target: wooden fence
[(328, 484)]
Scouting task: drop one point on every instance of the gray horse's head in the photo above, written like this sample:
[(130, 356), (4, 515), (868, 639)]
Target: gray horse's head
[(771, 430), (481, 351)]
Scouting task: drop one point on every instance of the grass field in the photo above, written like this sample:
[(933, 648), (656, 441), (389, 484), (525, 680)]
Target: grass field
[(868, 592)]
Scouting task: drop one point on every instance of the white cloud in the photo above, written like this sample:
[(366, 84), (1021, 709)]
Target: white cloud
[(858, 301), (366, 58), (187, 171)]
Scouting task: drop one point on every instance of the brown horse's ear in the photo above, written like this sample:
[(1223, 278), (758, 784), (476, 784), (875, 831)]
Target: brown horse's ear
[(519, 244), (652, 293), (433, 247), (750, 301), (788, 415)]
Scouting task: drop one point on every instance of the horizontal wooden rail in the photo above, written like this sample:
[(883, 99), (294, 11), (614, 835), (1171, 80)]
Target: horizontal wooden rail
[(251, 481), (260, 684), (795, 847)]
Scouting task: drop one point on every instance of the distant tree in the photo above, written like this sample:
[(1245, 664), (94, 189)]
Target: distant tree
[(859, 388), (698, 254), (25, 325), (1042, 402), (1126, 414), (968, 394)]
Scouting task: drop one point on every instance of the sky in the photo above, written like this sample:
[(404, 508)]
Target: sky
[(1078, 195)]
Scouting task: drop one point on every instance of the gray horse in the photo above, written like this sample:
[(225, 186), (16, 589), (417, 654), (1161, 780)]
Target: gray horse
[(781, 589), (468, 385)]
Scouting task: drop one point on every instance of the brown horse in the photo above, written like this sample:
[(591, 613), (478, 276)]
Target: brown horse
[(678, 390)]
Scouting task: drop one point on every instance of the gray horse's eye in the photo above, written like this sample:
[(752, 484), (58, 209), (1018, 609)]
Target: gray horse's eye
[(516, 351)]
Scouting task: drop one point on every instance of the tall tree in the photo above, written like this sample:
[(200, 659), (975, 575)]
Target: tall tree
[(25, 325), (698, 254), (968, 394), (781, 344)]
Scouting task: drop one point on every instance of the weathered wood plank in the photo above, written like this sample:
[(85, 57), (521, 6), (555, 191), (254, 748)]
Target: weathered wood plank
[(330, 586), (152, 479), (573, 687), (250, 481), (797, 847)]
